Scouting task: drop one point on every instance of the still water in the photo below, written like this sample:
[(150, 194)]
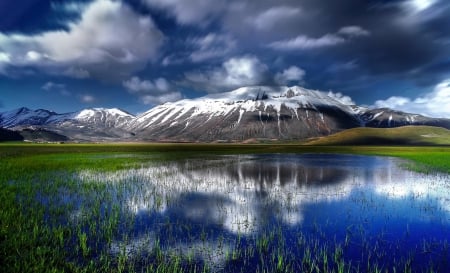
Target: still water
[(280, 212)]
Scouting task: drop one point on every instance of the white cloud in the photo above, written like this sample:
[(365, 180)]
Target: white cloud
[(290, 74), (136, 85), (110, 38), (415, 12), (33, 56), (353, 31), (235, 72), (162, 84), (433, 104), (416, 6), (52, 86), (202, 48), (271, 17), (303, 42), (58, 87), (158, 99), (341, 98), (86, 98), (211, 46), (393, 102), (4, 57), (173, 59), (152, 92), (189, 12), (245, 70)]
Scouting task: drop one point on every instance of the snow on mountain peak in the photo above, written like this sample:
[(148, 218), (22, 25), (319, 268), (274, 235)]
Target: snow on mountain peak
[(292, 97), (241, 100), (24, 116), (92, 112), (272, 112)]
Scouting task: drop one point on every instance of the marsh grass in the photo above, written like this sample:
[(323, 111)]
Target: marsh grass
[(53, 222)]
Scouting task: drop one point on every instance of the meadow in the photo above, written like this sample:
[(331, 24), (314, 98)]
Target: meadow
[(118, 208)]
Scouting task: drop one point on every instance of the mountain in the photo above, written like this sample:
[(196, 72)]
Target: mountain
[(96, 124), (405, 135), (388, 118), (25, 116), (100, 116), (89, 124), (247, 113), (41, 135), (8, 135)]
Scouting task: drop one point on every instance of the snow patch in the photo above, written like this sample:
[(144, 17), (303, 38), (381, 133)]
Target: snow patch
[(241, 113), (245, 99), (377, 114)]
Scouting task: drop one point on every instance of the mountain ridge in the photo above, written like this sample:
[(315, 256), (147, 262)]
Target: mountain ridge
[(262, 112)]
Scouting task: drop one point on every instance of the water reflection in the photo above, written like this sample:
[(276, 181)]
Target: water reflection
[(246, 194)]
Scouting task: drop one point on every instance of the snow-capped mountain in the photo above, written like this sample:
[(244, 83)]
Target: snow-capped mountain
[(99, 116), (260, 112), (95, 124), (248, 112), (25, 116), (87, 124), (388, 118), (113, 117)]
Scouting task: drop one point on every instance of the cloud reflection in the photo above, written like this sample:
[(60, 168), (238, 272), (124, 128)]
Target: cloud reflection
[(244, 194)]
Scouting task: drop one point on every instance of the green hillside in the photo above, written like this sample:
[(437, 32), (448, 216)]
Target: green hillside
[(406, 135)]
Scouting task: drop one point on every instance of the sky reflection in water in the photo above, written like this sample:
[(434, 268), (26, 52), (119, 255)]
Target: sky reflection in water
[(331, 196)]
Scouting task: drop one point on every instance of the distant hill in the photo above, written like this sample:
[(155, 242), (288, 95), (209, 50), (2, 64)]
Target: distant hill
[(41, 135), (8, 135), (406, 135)]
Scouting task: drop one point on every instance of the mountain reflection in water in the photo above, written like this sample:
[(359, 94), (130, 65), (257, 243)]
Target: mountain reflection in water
[(244, 195)]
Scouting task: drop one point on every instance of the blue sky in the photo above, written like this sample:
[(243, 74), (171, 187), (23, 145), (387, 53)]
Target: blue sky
[(135, 54)]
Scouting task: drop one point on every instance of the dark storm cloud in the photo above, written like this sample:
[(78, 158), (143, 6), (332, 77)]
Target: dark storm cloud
[(405, 37), (367, 49), (394, 50), (398, 42), (399, 36), (431, 74)]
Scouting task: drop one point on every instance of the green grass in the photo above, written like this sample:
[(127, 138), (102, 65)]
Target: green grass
[(29, 243), (428, 158)]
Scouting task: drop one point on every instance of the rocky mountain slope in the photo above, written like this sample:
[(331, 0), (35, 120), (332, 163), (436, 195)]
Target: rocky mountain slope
[(248, 112), (88, 124), (388, 118), (260, 112)]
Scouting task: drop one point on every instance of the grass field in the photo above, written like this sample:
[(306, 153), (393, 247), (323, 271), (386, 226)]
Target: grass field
[(427, 158), (32, 238), (406, 135)]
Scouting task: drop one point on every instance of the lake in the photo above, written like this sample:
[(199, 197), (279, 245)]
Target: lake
[(264, 213)]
